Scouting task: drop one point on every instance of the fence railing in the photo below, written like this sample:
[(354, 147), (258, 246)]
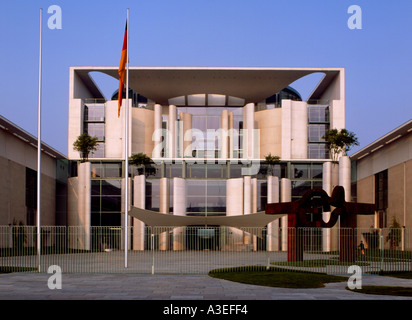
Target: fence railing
[(198, 250)]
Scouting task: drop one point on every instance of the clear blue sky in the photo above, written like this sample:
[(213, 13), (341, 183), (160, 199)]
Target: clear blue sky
[(261, 33)]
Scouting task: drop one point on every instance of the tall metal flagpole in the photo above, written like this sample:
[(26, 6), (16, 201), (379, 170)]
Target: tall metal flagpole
[(39, 148), (126, 150)]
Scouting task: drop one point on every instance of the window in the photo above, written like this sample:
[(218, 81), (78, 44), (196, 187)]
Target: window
[(206, 197), (318, 113), (381, 190), (317, 131), (300, 171), (318, 151), (31, 196), (95, 130), (94, 125), (106, 202), (318, 118), (107, 169)]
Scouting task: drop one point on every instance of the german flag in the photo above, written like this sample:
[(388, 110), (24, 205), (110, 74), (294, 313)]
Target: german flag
[(122, 69)]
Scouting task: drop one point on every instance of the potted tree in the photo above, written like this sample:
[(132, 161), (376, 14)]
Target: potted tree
[(85, 144), (340, 142), (395, 234), (271, 162), (143, 163)]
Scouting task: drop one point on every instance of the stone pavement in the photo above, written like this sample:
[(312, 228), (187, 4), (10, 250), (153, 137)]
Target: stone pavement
[(34, 286)]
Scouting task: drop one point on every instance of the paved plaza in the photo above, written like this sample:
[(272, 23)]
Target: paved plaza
[(34, 286)]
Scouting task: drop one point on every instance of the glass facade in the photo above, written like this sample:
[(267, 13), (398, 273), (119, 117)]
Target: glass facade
[(205, 183), (94, 125), (305, 176), (318, 125), (106, 193), (208, 121)]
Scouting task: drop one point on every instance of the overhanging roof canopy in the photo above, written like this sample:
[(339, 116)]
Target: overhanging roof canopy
[(252, 84)]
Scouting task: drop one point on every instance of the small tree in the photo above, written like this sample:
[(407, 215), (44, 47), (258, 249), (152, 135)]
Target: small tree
[(340, 142), (143, 163), (85, 144), (395, 233), (271, 161)]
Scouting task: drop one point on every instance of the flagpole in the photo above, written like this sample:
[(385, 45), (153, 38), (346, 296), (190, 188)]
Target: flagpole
[(126, 150), (39, 147)]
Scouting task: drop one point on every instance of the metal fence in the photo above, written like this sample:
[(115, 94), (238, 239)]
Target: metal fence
[(200, 249)]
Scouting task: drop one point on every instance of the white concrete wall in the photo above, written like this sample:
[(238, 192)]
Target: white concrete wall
[(75, 126), (294, 130), (142, 131), (115, 130), (299, 130), (286, 151)]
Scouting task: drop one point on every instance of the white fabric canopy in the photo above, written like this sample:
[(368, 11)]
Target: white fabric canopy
[(152, 218)]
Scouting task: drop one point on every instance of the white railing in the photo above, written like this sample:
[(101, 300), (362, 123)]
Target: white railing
[(198, 250)]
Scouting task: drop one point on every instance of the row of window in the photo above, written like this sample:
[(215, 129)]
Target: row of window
[(204, 197), (209, 171), (205, 119)]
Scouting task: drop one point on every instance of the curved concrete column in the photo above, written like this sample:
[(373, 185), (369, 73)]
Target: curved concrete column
[(172, 131), (330, 178), (327, 187), (254, 206), (186, 134), (234, 206), (139, 201), (285, 196), (273, 227), (157, 134), (164, 205), (232, 135), (248, 132), (247, 203), (345, 176), (179, 209), (224, 135), (84, 207), (247, 195)]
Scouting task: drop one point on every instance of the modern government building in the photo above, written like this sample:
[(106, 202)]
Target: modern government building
[(208, 132)]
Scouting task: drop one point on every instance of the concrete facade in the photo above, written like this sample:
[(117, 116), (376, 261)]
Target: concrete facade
[(18, 162), (392, 156)]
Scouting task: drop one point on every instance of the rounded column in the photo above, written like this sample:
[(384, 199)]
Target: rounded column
[(164, 208), (139, 201), (179, 209), (157, 134), (286, 196), (273, 227), (234, 206)]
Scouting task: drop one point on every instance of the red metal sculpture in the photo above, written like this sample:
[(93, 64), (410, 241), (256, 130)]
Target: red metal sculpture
[(307, 212)]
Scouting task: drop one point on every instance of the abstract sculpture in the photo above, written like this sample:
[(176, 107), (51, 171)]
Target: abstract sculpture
[(307, 212)]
